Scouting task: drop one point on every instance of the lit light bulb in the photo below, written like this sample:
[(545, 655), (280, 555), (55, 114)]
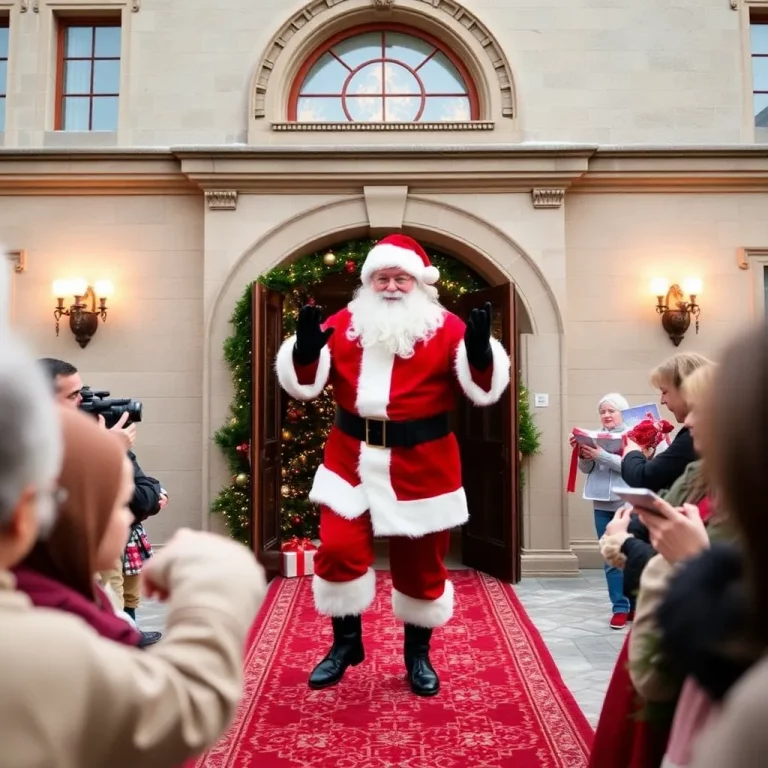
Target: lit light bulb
[(104, 289), (660, 286), (692, 286), (61, 289), (78, 287)]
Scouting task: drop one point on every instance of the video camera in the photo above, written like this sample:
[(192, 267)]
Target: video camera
[(100, 404)]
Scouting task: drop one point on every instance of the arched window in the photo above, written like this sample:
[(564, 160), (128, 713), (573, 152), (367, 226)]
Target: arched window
[(383, 74)]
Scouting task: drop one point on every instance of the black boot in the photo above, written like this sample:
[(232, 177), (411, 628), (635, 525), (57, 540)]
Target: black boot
[(346, 651), (421, 674)]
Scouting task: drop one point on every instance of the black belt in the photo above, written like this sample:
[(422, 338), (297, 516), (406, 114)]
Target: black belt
[(379, 433)]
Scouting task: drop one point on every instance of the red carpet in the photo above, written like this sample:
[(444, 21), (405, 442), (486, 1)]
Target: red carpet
[(502, 703)]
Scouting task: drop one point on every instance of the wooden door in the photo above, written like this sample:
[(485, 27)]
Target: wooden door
[(267, 317), (488, 441)]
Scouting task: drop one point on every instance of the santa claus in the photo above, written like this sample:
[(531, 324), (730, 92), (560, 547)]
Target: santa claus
[(391, 467)]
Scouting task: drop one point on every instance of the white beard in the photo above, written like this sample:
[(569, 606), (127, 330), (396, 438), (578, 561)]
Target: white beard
[(396, 324)]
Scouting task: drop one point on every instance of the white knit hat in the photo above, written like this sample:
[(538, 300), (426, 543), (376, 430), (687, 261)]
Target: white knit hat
[(614, 399), (403, 252)]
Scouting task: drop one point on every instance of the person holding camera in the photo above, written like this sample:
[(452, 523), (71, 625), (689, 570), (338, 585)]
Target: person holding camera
[(148, 499)]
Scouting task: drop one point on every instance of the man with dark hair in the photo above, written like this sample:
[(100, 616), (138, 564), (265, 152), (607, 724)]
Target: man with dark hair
[(148, 499)]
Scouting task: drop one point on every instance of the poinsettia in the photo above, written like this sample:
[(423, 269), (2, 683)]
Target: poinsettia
[(649, 432)]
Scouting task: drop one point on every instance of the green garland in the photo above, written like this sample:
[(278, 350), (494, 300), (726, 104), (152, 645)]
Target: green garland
[(306, 424)]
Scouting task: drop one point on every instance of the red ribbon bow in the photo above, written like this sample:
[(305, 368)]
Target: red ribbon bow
[(295, 544)]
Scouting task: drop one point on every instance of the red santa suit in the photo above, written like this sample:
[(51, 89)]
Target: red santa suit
[(411, 494)]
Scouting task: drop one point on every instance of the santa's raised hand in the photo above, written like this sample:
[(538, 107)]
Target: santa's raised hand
[(477, 337), (310, 337)]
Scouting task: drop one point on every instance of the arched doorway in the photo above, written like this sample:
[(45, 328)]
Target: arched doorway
[(287, 435)]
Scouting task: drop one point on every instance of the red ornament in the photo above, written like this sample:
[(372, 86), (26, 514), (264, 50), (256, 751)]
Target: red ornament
[(311, 301), (350, 267), (296, 520), (242, 448), (293, 414)]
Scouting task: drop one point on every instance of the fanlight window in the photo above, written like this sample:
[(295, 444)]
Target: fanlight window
[(383, 75)]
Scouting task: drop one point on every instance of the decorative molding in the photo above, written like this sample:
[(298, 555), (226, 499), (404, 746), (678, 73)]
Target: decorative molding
[(221, 200), (745, 255), (18, 259), (385, 206), (433, 9), (135, 5), (469, 125), (383, 5), (547, 198)]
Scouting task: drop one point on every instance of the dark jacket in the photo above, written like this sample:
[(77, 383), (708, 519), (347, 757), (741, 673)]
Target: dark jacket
[(661, 471), (146, 497)]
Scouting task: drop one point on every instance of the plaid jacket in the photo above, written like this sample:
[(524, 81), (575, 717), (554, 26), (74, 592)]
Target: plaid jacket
[(137, 550)]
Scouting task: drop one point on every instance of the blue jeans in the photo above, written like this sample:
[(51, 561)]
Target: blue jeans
[(613, 576)]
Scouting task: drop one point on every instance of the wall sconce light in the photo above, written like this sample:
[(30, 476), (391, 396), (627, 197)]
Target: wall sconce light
[(675, 311), (83, 319)]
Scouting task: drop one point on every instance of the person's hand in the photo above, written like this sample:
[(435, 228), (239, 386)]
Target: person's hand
[(676, 533), (572, 441), (619, 526), (163, 500), (631, 446), (126, 434), (590, 452), (176, 567), (310, 337), (477, 337)]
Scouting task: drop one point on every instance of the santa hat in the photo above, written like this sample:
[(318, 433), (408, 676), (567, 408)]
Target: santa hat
[(403, 252)]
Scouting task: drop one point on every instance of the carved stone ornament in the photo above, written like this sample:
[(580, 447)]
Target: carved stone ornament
[(221, 200), (735, 5), (383, 5), (547, 198), (19, 261)]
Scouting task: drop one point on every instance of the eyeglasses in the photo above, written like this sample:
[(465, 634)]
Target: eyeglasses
[(400, 281)]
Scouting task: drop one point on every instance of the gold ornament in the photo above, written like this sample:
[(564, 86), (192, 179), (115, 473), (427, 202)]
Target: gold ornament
[(233, 422), (285, 490), (329, 259), (287, 434), (241, 481)]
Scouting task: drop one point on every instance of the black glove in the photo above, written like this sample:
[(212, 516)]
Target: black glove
[(477, 337), (310, 337)]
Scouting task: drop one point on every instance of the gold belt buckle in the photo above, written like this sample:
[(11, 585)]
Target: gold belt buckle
[(383, 433)]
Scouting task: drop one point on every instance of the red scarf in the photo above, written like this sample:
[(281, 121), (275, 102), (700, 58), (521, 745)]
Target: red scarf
[(45, 592)]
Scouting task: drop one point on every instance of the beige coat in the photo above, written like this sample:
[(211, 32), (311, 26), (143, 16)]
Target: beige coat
[(71, 699)]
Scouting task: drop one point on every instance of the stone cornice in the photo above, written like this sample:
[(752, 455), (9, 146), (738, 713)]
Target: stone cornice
[(445, 168)]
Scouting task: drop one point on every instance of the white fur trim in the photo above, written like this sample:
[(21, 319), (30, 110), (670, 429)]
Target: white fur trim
[(286, 372), (375, 382), (344, 598), (424, 613), (387, 256), (392, 517), (344, 499), (499, 378)]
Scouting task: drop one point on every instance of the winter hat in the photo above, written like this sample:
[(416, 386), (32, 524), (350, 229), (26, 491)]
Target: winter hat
[(614, 399), (403, 252)]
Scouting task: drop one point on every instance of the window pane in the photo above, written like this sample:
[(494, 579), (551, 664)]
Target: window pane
[(326, 76), (76, 111), (320, 110), (761, 110), (406, 48), (3, 42), (3, 77), (2, 114), (105, 113), (358, 49), (367, 80), (77, 77), (79, 43), (106, 77), (759, 38), (107, 42), (760, 74), (446, 108), (398, 80), (440, 76), (365, 109), (402, 109)]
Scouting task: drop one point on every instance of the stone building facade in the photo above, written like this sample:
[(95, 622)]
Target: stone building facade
[(575, 148)]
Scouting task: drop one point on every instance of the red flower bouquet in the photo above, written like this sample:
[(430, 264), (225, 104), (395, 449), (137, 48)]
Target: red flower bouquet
[(649, 432)]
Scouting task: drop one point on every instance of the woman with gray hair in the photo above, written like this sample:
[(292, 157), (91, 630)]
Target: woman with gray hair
[(603, 470)]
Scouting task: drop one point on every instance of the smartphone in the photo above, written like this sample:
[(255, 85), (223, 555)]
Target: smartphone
[(640, 498)]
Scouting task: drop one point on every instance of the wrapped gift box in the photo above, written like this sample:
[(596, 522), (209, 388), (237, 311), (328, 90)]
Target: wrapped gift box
[(297, 557)]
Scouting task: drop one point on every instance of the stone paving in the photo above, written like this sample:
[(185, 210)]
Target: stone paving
[(572, 615)]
